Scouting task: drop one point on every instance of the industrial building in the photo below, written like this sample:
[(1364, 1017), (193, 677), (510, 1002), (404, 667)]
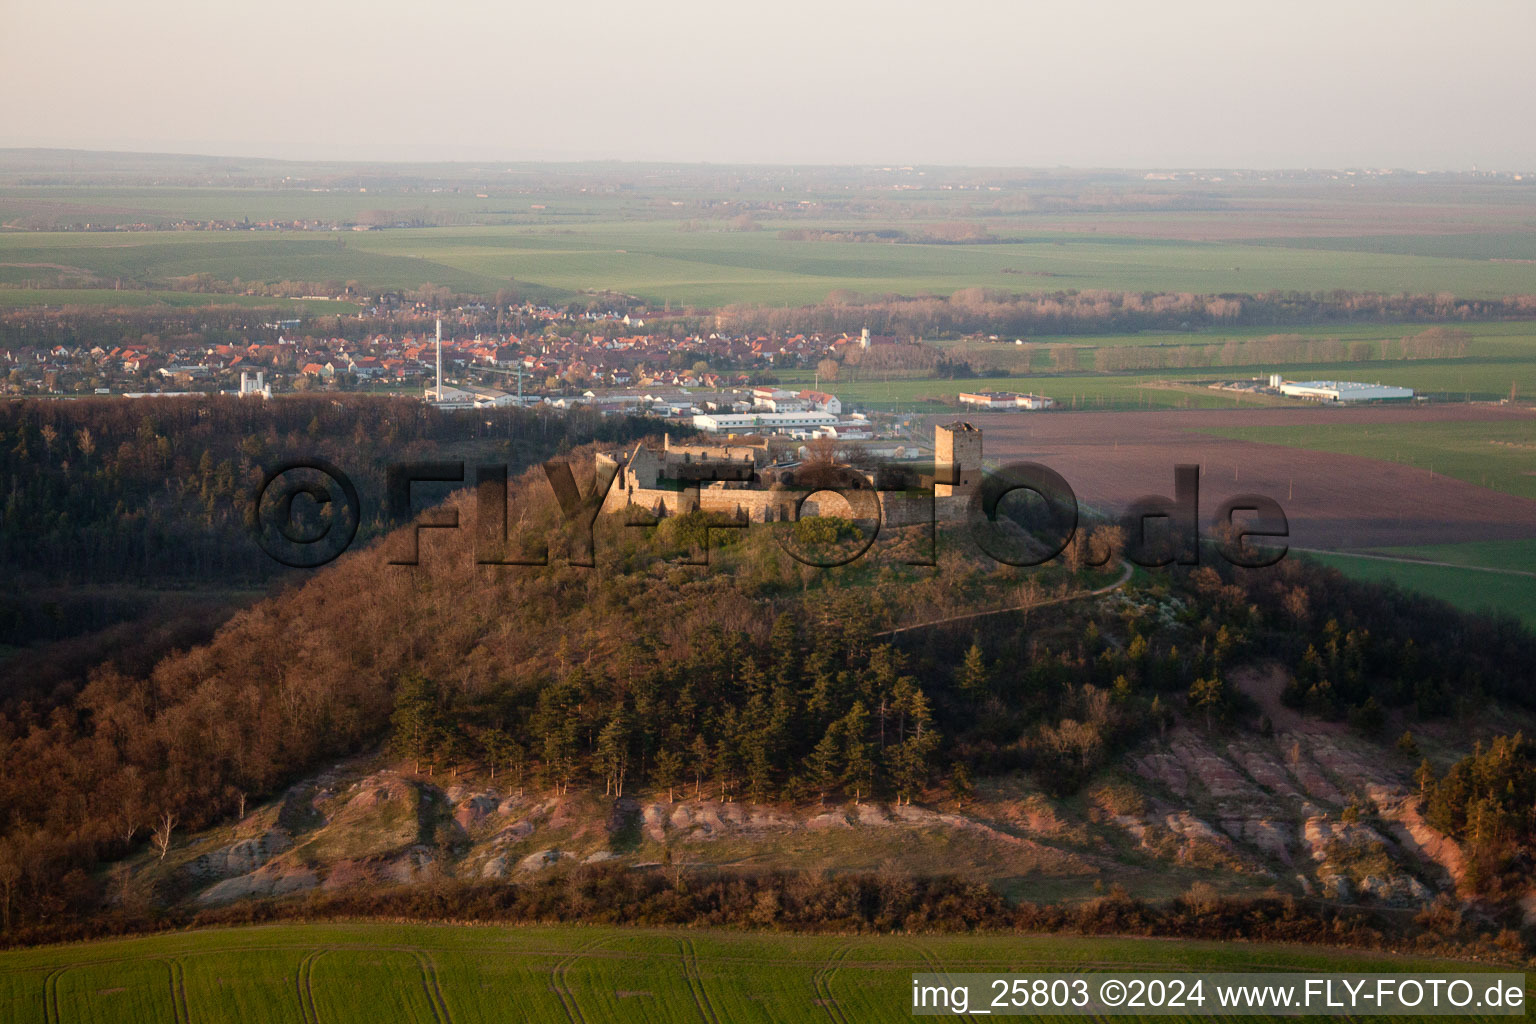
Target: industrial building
[(1341, 391), (1004, 400), (777, 422)]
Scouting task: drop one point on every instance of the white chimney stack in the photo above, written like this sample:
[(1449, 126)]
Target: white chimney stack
[(439, 359)]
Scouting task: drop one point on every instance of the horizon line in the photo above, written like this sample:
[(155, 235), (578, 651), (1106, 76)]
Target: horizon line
[(786, 165)]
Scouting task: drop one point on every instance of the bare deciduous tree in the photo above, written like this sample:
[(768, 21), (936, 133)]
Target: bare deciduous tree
[(162, 834)]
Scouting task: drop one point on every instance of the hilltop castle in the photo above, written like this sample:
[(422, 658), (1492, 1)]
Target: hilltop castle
[(728, 478)]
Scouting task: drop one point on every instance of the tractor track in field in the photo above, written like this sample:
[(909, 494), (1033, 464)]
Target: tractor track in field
[(687, 953), (933, 965), (304, 980), (175, 981), (823, 984), (430, 984), (178, 991), (696, 981), (561, 985), (51, 995)]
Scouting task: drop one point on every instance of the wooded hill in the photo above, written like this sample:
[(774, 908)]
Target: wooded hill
[(754, 678)]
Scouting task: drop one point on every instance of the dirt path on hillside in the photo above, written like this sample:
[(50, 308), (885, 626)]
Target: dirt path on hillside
[(1125, 577)]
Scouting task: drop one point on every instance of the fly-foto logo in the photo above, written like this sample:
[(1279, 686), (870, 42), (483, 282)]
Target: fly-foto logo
[(306, 513)]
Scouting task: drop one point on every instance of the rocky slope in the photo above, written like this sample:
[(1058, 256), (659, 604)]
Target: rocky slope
[(1309, 809)]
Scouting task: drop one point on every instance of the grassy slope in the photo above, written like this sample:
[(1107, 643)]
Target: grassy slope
[(364, 972)]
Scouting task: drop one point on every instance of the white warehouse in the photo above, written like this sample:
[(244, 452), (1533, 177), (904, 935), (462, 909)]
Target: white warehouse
[(1344, 391), (773, 421)]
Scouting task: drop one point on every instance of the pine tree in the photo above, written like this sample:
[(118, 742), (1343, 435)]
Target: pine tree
[(699, 754), (911, 761), (669, 770), (960, 786), (416, 722), (612, 756), (858, 765), (784, 651), (824, 765), (560, 748), (974, 677), (1425, 777)]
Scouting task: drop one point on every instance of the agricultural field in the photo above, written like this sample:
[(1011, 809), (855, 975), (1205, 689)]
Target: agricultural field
[(1096, 392), (1509, 556), (1436, 498), (1498, 454), (1495, 340), (1337, 496), (461, 975), (1470, 587), (1448, 381), (14, 298), (662, 263)]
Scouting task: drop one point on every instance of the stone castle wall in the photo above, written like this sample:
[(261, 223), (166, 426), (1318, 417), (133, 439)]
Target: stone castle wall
[(897, 508), (957, 445)]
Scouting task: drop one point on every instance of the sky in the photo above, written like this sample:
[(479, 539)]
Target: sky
[(1082, 83)]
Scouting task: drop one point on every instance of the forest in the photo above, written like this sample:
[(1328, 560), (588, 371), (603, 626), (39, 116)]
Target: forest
[(159, 489)]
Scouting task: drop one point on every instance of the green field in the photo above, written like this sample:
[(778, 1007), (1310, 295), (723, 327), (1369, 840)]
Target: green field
[(660, 262), (1166, 391), (1490, 342), (1497, 454), (1082, 391), (1468, 586), (1510, 555), (1498, 356), (467, 975), (20, 297)]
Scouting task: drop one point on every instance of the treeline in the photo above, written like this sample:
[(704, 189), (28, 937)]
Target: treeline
[(852, 903), (161, 489), (1283, 350), (944, 233), (1094, 311), (1360, 648)]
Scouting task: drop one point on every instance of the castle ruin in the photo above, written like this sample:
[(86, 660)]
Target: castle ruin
[(727, 478)]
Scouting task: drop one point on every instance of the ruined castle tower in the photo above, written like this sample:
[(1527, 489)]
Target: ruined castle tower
[(956, 459)]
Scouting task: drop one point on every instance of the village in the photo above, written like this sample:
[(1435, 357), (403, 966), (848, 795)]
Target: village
[(553, 353), (611, 362)]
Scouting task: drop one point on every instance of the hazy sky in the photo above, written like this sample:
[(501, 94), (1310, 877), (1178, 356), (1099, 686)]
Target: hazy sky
[(1403, 83)]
